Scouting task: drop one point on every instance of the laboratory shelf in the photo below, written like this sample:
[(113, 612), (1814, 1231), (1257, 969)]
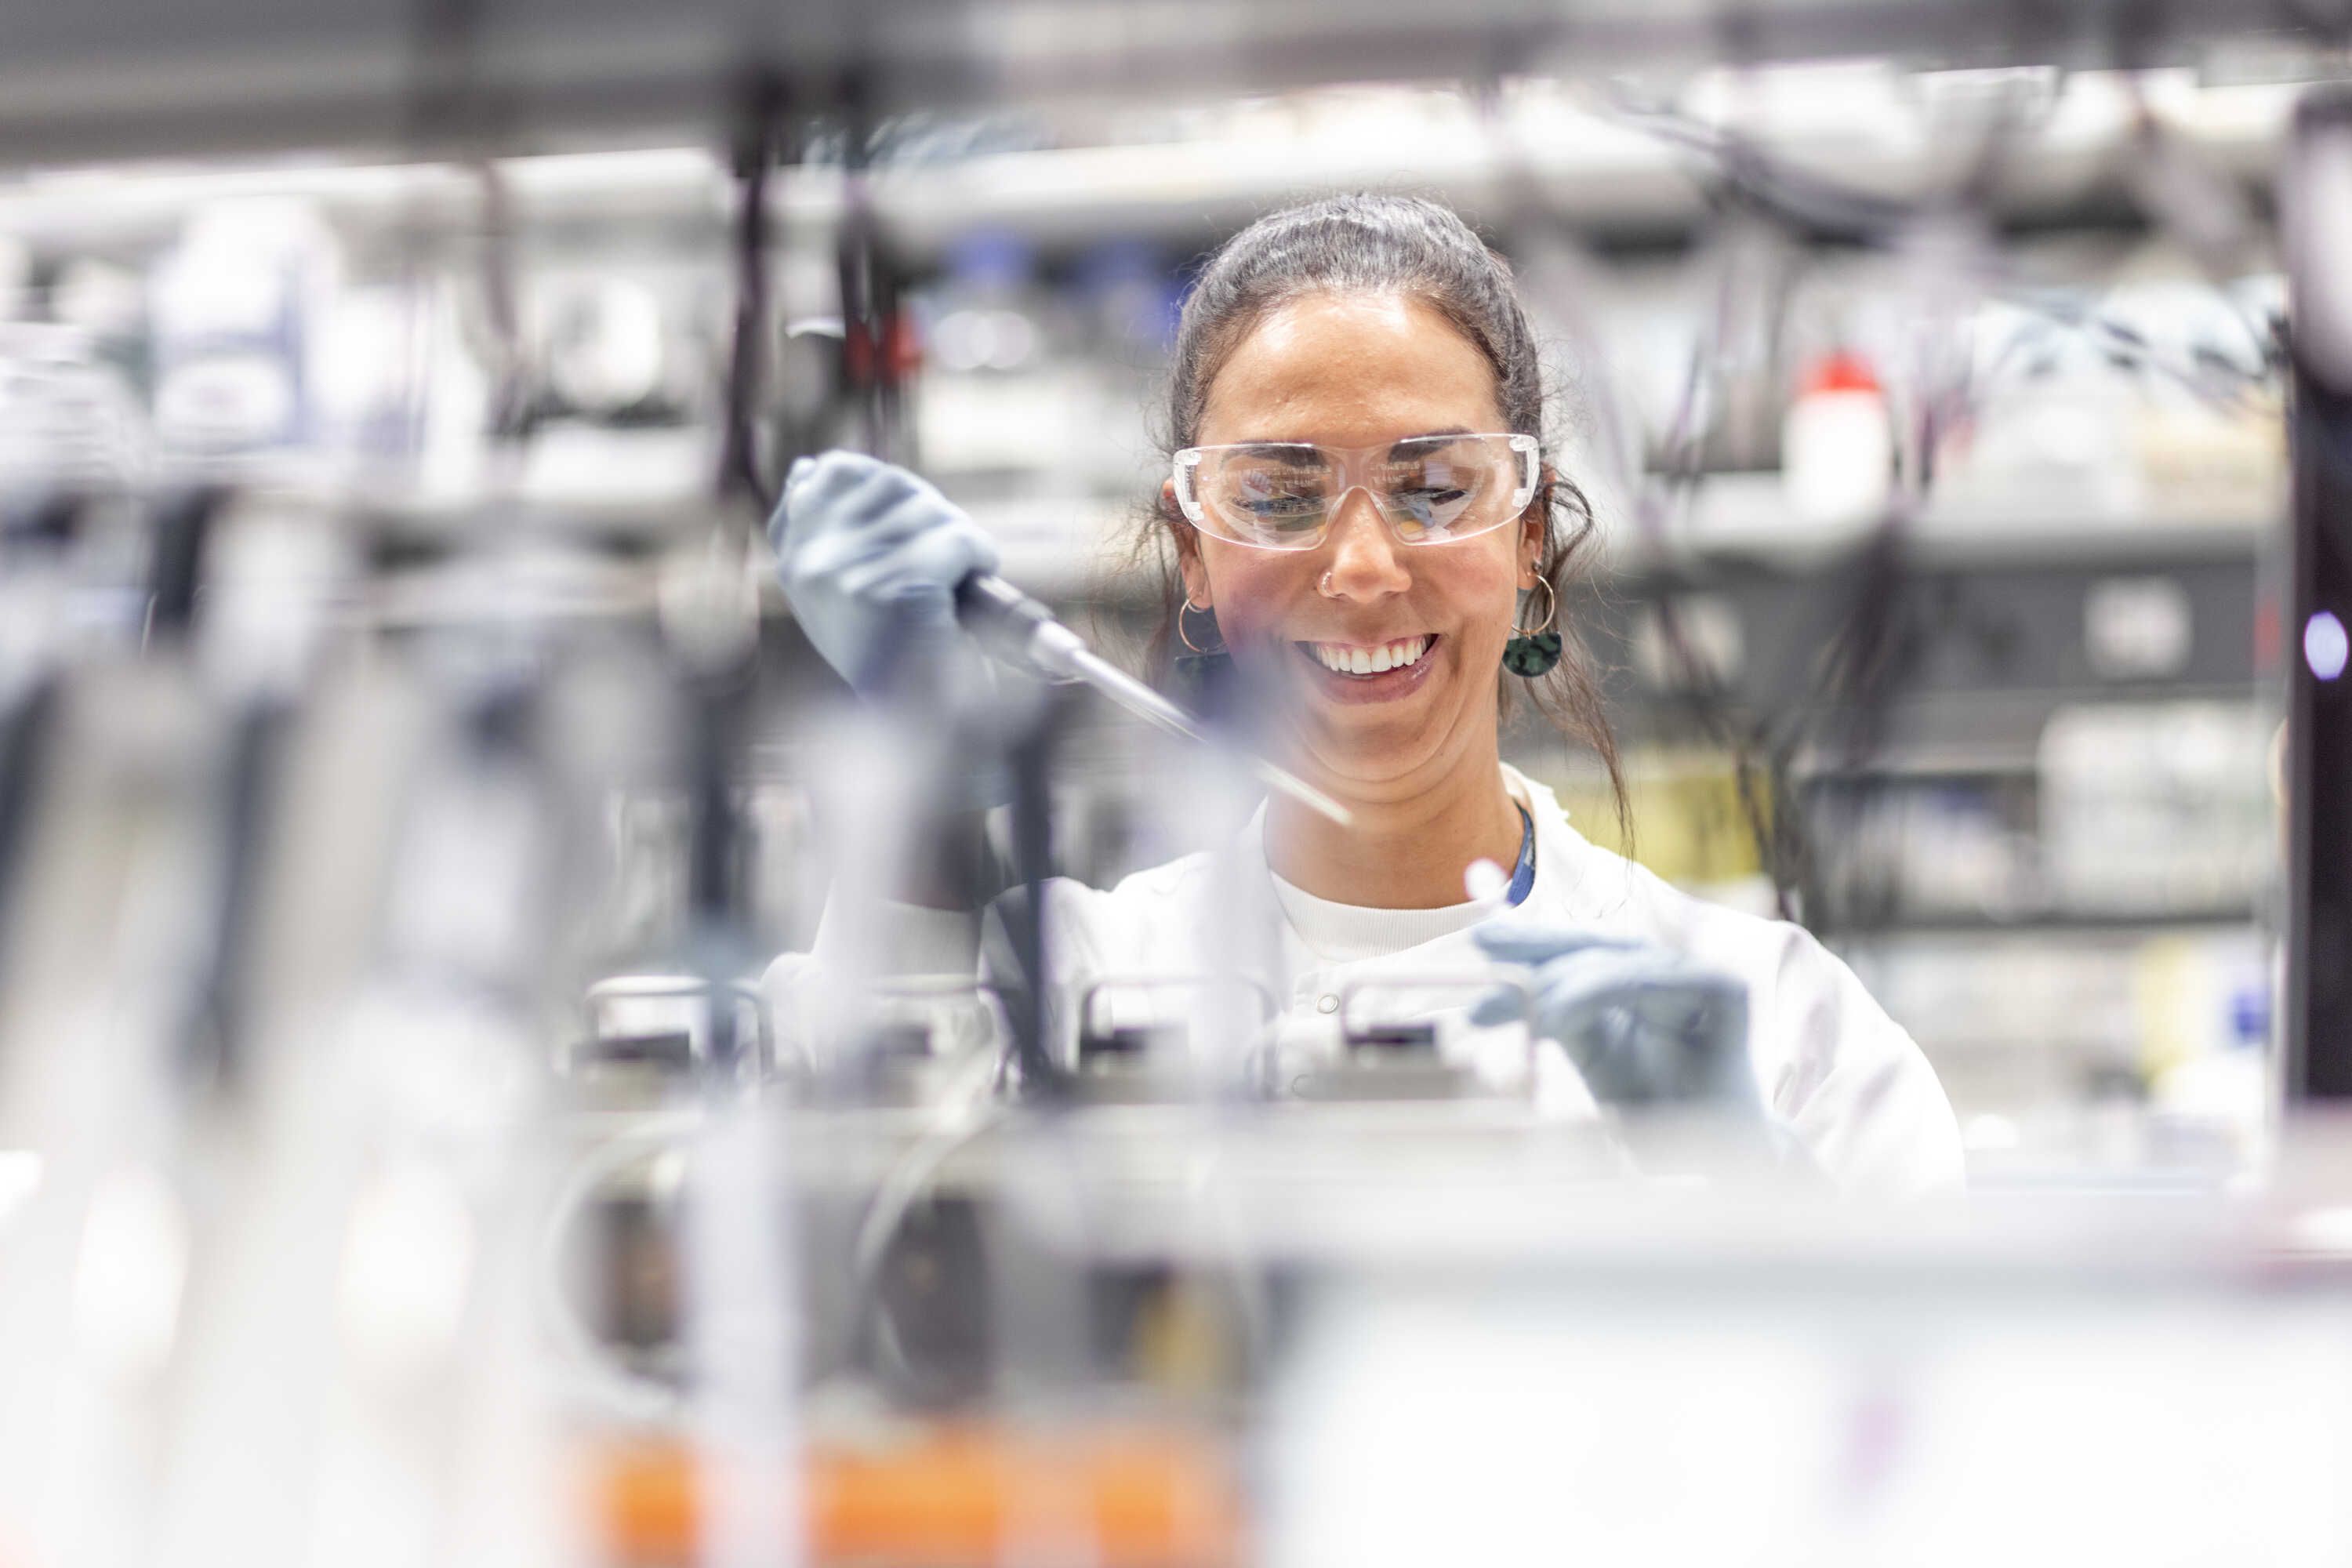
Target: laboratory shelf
[(2041, 632), (112, 78), (2122, 924), (1921, 762), (1612, 185), (1763, 542)]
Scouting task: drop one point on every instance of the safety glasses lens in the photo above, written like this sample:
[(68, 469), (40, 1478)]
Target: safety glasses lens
[(1441, 492), (1273, 497), (1431, 489)]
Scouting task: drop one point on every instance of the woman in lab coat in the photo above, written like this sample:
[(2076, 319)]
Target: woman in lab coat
[(1361, 520)]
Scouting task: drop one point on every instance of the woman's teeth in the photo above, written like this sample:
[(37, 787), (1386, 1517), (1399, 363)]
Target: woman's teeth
[(1350, 660)]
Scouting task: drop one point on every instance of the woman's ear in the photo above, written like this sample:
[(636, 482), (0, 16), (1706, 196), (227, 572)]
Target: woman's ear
[(1188, 550), (1532, 537), (1196, 578), (1535, 527)]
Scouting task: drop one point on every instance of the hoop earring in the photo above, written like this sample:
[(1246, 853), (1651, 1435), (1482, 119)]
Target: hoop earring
[(1552, 608), (1534, 652), (1184, 638)]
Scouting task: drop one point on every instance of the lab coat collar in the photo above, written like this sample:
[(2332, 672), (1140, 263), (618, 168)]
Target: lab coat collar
[(1575, 885)]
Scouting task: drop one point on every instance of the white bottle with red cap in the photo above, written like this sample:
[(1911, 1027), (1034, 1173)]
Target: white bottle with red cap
[(1837, 447)]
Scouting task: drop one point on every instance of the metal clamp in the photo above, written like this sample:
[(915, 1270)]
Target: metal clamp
[(1418, 1036), (602, 996), (931, 987), (1134, 1041)]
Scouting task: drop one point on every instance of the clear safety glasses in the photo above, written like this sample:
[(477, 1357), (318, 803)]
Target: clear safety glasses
[(1431, 489)]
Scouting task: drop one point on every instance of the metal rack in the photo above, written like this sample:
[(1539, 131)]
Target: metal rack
[(117, 79)]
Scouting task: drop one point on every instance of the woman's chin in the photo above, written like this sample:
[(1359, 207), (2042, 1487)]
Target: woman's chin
[(1369, 734), (1365, 750)]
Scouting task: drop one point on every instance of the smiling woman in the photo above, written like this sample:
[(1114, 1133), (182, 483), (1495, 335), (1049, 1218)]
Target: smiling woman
[(1318, 617), (1358, 514), (1385, 308)]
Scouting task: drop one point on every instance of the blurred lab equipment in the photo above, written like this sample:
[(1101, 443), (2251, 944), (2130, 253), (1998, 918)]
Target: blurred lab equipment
[(413, 1147)]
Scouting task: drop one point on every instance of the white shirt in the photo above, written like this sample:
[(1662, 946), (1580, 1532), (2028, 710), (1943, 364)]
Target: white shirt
[(1340, 932), (1843, 1075)]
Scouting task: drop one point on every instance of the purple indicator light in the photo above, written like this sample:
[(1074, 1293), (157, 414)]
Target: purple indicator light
[(2326, 647)]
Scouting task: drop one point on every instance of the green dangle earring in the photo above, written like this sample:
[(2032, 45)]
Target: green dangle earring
[(1533, 652)]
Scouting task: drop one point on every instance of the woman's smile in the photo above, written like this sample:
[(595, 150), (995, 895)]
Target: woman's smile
[(1358, 672)]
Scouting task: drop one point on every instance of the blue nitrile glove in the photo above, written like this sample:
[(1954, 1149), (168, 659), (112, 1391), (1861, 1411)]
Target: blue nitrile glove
[(870, 555), (1645, 1026)]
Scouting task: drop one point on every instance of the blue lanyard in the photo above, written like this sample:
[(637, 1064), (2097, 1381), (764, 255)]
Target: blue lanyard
[(1523, 875)]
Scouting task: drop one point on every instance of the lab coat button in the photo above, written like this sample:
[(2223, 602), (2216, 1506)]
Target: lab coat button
[(1327, 1003)]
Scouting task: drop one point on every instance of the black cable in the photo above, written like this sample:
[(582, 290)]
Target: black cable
[(513, 416), (1861, 677), (213, 1036), (453, 112), (1875, 652), (29, 723), (1773, 824), (869, 303), (760, 119), (184, 531), (1818, 206)]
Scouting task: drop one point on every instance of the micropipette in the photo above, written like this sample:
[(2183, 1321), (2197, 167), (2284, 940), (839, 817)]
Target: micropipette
[(987, 603)]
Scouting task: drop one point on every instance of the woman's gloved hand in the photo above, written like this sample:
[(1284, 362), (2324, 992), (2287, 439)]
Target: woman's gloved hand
[(1645, 1026), (870, 556)]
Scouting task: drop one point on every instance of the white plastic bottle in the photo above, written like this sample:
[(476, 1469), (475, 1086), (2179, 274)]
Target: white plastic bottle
[(1837, 447)]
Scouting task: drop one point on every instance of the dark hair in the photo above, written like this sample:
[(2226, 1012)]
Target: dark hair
[(1369, 243)]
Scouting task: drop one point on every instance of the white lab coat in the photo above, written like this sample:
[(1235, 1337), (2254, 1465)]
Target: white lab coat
[(1843, 1075)]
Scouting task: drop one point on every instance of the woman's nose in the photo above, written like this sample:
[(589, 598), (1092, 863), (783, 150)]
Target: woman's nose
[(1365, 559)]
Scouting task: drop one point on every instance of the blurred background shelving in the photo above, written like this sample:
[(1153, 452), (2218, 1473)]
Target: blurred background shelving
[(2030, 718), (426, 1134)]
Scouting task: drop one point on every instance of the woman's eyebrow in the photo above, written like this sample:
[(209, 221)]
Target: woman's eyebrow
[(1272, 449)]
